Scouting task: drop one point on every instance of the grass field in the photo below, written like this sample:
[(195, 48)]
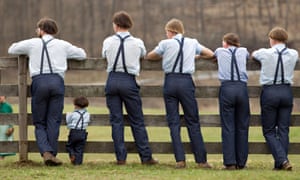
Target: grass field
[(101, 166)]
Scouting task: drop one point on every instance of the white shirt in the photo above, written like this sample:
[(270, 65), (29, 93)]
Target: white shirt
[(59, 52), (168, 49), (73, 118), (224, 56), (268, 59), (134, 49)]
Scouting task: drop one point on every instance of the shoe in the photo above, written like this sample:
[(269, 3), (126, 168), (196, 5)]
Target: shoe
[(204, 165), (286, 166), (121, 162), (241, 167), (51, 160), (72, 159), (150, 162), (229, 167), (180, 165)]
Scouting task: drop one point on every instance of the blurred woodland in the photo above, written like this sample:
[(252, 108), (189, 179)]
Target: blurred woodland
[(86, 23)]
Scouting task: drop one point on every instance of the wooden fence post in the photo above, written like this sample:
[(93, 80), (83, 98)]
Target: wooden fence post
[(22, 86)]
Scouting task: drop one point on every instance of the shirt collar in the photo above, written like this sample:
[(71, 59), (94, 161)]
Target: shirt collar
[(279, 47), (47, 37), (177, 36), (123, 34)]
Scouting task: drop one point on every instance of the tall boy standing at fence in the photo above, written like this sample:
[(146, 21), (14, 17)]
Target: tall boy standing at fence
[(233, 101), (178, 54), (123, 53), (47, 65), (276, 100)]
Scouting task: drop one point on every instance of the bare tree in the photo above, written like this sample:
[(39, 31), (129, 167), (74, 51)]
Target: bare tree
[(236, 16)]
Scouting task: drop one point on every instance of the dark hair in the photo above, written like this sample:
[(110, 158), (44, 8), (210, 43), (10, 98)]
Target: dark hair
[(123, 20), (81, 102), (48, 25), (232, 39), (279, 34)]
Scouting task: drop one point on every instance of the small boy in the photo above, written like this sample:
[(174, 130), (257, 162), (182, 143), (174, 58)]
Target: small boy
[(77, 122), (6, 131)]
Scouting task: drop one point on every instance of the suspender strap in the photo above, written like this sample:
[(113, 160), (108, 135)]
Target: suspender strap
[(47, 54), (279, 61), (121, 49), (234, 63), (80, 119), (180, 54)]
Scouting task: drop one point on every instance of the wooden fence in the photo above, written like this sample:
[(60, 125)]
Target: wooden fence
[(23, 119)]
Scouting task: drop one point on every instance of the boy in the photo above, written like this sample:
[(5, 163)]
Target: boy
[(77, 122)]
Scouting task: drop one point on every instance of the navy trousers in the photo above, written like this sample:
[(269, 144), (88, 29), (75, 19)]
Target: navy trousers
[(76, 143), (180, 88), (47, 105), (122, 88), (276, 108), (235, 115)]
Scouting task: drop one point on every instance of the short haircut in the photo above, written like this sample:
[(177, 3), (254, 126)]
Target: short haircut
[(175, 25), (81, 102), (48, 25), (232, 39), (123, 20), (279, 34)]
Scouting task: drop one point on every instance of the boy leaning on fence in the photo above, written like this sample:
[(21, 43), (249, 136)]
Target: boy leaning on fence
[(277, 71), (178, 55), (233, 101), (47, 65)]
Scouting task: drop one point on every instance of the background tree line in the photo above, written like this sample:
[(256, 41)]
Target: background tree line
[(86, 23)]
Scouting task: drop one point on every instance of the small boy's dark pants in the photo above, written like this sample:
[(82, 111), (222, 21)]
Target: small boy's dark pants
[(76, 143)]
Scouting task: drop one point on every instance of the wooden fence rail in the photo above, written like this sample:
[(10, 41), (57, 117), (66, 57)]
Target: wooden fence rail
[(23, 119)]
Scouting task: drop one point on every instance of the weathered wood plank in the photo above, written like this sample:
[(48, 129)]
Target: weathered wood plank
[(157, 147), (146, 91), (150, 120), (8, 62), (100, 64), (22, 88), (9, 89)]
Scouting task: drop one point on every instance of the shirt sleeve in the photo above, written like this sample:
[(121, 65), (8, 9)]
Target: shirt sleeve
[(143, 48), (88, 118), (217, 52), (68, 118), (74, 52), (159, 49), (258, 55), (104, 48), (21, 47), (199, 47)]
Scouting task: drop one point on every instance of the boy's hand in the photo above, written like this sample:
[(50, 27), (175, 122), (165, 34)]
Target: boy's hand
[(9, 131)]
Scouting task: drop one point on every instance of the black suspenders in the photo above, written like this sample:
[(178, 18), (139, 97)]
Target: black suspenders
[(80, 119), (121, 49), (180, 54), (234, 63), (279, 61), (47, 54)]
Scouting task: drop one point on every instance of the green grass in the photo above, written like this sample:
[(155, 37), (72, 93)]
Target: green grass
[(101, 166)]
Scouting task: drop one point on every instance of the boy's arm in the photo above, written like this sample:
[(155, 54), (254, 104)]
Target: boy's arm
[(153, 56)]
